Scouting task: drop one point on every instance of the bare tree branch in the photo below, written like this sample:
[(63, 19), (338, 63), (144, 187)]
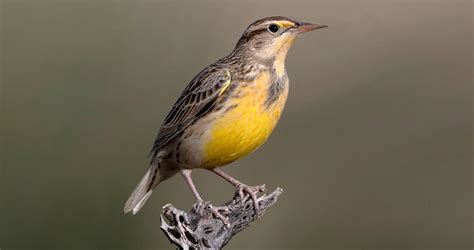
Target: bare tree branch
[(199, 230)]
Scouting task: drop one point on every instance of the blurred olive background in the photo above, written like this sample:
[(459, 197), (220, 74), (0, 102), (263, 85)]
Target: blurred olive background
[(374, 149)]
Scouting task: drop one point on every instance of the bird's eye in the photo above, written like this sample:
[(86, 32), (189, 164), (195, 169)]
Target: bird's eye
[(273, 28)]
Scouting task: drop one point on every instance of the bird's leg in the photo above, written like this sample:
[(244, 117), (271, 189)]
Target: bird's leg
[(186, 173), (241, 188)]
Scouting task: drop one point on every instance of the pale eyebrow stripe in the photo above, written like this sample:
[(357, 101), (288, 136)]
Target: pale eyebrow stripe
[(285, 24)]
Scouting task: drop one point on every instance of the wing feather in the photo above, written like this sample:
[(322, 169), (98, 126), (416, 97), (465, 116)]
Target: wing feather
[(197, 99)]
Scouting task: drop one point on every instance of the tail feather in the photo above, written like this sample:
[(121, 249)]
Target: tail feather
[(143, 191), (140, 204)]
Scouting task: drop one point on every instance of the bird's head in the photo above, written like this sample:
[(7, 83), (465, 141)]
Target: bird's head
[(270, 38)]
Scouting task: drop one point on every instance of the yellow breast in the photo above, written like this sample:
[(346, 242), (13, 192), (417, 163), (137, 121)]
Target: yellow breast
[(244, 128)]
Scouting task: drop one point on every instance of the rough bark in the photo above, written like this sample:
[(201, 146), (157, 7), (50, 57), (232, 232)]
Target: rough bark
[(198, 229)]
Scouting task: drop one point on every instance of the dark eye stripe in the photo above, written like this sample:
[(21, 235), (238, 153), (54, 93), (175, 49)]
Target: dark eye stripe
[(255, 32)]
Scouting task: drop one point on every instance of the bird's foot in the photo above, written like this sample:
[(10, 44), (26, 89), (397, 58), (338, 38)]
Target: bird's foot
[(217, 212), (246, 191)]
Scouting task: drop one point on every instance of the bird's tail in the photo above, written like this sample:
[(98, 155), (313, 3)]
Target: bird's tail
[(143, 190)]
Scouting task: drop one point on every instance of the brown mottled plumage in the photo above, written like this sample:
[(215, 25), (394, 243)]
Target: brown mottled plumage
[(227, 111)]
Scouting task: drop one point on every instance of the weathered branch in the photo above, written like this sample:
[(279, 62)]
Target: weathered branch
[(199, 230)]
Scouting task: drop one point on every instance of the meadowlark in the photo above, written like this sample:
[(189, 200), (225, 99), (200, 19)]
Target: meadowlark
[(227, 111)]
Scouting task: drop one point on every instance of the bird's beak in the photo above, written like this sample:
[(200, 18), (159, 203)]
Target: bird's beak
[(305, 27)]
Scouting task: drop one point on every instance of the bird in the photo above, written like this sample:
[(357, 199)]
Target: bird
[(226, 112)]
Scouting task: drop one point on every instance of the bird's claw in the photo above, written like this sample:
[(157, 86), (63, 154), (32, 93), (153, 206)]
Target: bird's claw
[(246, 191), (218, 213)]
